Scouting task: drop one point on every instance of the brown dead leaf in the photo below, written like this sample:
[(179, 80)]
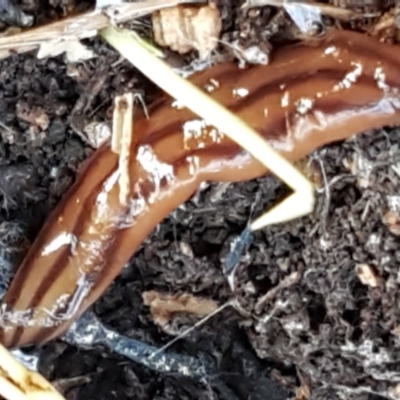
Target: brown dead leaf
[(184, 28), (164, 305)]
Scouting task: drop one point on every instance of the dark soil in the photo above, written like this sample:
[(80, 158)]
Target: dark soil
[(318, 327)]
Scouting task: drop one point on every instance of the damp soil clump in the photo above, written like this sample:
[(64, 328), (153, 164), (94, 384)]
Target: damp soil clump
[(314, 302)]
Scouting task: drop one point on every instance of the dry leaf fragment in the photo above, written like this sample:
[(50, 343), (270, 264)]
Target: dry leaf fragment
[(184, 28), (163, 305)]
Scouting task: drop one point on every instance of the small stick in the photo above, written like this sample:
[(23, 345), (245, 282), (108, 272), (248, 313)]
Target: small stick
[(300, 203)]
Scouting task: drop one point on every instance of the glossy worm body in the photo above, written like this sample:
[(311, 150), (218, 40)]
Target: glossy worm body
[(310, 95)]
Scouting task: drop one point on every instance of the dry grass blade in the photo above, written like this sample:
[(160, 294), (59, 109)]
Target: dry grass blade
[(300, 203), (122, 137), (18, 383), (81, 26)]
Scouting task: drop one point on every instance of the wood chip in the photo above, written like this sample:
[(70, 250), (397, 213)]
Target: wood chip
[(164, 305), (184, 28)]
